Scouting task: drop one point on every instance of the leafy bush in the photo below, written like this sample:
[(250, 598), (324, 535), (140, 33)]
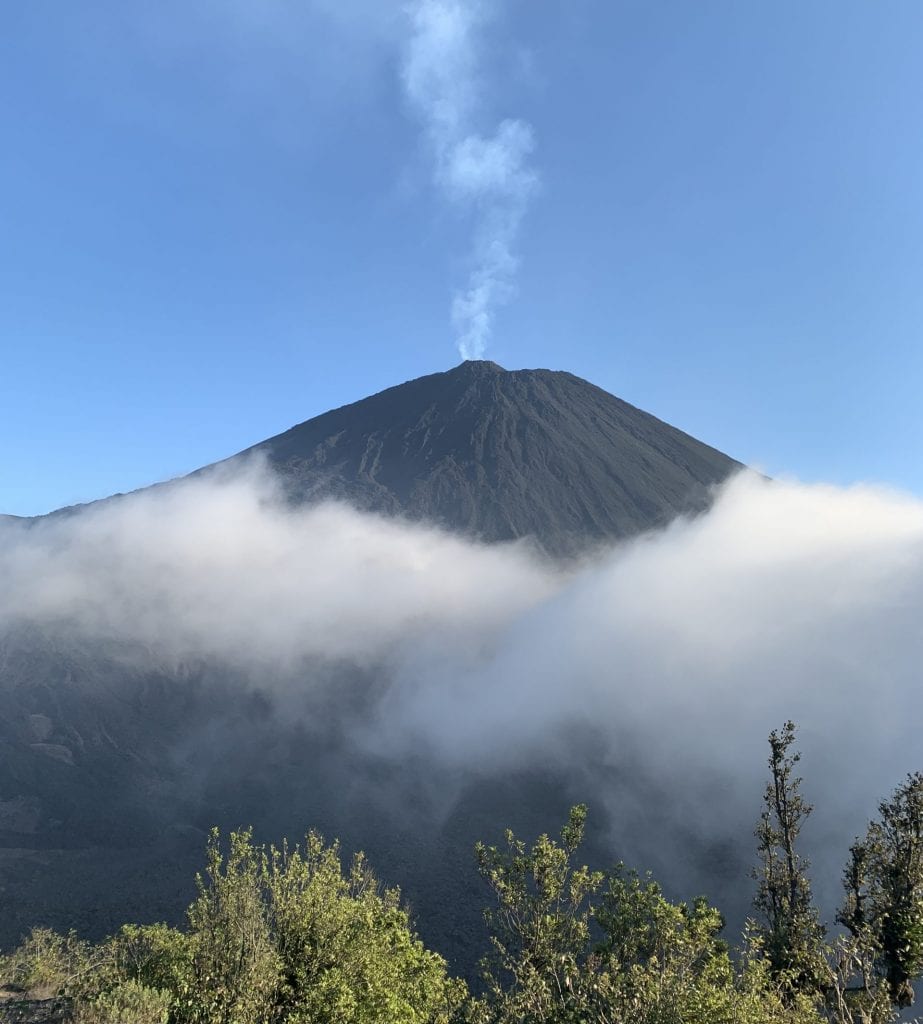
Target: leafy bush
[(571, 945), (48, 964), (285, 936), (153, 955), (129, 1002), (884, 891), (347, 949), (234, 968)]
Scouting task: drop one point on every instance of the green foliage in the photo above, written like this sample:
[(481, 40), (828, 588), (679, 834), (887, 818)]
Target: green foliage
[(883, 880), (234, 966), (664, 961), (286, 936), (855, 994), (154, 955), (540, 927), (273, 936), (48, 964), (572, 945), (790, 930), (128, 1002), (346, 947)]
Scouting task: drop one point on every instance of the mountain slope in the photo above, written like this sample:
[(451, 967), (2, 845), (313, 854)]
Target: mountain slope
[(116, 758), (502, 454)]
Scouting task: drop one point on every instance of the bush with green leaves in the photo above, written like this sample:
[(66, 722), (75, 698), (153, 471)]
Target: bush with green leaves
[(154, 955), (234, 969), (539, 927), (128, 1002), (48, 965), (346, 947), (572, 945), (883, 909), (274, 935), (287, 936), (789, 927)]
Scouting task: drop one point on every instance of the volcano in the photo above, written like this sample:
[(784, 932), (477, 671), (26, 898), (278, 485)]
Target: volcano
[(115, 760), (499, 455)]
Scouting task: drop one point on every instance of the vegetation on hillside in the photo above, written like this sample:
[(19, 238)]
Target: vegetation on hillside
[(289, 935)]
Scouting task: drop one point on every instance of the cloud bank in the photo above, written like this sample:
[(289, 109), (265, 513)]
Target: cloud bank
[(488, 176), (662, 663), (218, 567)]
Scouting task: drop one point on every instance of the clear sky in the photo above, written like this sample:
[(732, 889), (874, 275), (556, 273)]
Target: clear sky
[(219, 218)]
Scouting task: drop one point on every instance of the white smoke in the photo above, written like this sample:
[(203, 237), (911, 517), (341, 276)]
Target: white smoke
[(677, 652), (488, 175)]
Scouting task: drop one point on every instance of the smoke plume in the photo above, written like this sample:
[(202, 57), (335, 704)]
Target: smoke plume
[(488, 176)]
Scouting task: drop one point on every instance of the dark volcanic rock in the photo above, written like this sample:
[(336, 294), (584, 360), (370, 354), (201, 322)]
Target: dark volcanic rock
[(497, 455), (114, 761), (16, 1010), (500, 454)]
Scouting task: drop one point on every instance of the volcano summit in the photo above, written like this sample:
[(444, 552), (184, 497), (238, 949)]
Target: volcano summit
[(498, 455)]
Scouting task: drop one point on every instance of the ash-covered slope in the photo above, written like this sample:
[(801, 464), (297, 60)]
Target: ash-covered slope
[(501, 454), (116, 757)]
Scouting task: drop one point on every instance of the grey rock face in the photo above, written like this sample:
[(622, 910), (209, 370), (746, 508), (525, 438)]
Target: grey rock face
[(499, 455)]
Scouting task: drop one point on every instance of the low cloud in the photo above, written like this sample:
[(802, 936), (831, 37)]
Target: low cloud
[(219, 568), (668, 658)]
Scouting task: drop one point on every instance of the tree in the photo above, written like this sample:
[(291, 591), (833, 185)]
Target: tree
[(539, 927), (884, 892), (790, 931), (235, 967), (347, 950), (286, 936), (663, 961), (572, 945)]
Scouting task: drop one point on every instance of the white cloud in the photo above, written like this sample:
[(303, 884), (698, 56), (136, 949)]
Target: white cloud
[(677, 652), (220, 568)]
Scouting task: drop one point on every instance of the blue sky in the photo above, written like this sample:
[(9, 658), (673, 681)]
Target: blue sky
[(222, 217)]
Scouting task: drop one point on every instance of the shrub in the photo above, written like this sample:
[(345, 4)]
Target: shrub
[(129, 1002), (233, 967), (154, 955), (347, 948), (48, 964)]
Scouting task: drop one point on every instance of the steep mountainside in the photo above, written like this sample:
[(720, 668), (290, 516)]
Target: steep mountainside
[(115, 759), (502, 454)]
